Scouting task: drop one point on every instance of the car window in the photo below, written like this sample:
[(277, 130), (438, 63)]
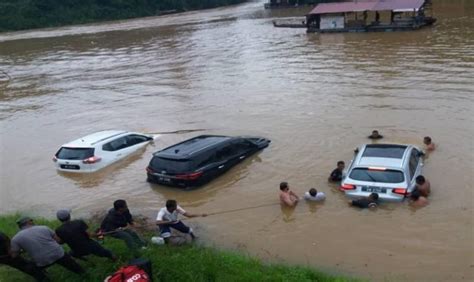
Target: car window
[(116, 144), (383, 176), (226, 152), (171, 165), (206, 160), (66, 153), (134, 139), (414, 158), (243, 146), (384, 151)]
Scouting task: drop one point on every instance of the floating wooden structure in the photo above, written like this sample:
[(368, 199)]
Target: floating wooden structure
[(290, 24), (370, 15)]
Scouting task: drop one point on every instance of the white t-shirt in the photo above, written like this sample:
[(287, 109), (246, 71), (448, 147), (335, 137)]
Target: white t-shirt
[(164, 214), (320, 196)]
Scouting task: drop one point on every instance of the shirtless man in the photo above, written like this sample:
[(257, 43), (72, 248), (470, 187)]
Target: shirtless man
[(423, 186), (287, 197), (430, 146), (417, 200)]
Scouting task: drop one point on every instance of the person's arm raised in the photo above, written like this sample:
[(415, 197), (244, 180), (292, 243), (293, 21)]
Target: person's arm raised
[(190, 215)]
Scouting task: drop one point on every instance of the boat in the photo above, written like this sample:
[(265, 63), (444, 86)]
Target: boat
[(370, 16)]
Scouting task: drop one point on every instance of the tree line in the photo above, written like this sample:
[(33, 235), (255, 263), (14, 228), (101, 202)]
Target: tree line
[(27, 14)]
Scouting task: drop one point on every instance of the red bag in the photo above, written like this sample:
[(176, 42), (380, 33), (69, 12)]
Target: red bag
[(129, 273)]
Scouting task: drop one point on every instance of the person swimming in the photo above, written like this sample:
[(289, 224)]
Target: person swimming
[(367, 202), (375, 135), (314, 195), (430, 146)]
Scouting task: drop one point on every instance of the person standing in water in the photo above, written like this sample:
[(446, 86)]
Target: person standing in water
[(423, 186), (287, 197), (336, 175)]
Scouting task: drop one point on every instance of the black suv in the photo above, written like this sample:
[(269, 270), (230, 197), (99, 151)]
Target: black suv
[(200, 159)]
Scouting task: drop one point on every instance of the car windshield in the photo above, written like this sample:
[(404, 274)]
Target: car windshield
[(384, 151), (170, 165), (66, 153), (383, 176)]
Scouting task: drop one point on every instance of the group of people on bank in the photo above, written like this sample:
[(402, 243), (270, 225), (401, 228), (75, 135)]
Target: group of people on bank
[(418, 197), (43, 245)]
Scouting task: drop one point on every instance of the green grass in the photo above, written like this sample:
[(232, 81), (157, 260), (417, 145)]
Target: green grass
[(171, 263)]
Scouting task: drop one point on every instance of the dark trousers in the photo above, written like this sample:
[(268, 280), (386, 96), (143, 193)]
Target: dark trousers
[(180, 226), (25, 266), (130, 237), (69, 263), (93, 248)]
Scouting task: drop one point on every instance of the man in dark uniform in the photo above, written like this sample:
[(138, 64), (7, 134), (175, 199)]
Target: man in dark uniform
[(74, 233), (18, 262), (119, 223), (336, 174)]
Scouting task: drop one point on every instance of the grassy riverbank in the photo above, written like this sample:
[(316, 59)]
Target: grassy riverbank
[(27, 14), (184, 263)]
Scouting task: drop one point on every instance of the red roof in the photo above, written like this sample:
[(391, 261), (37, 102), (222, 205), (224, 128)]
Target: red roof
[(398, 5), (367, 5)]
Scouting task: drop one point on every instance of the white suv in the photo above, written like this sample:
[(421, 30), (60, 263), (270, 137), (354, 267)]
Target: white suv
[(387, 169), (98, 150)]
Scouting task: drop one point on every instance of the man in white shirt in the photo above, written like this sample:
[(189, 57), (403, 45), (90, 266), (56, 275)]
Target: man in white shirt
[(168, 218), (314, 195)]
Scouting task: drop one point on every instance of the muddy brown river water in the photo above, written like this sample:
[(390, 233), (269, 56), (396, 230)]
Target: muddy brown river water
[(229, 71)]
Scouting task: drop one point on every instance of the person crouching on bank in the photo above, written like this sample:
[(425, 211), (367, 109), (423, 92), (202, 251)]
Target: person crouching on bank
[(168, 217)]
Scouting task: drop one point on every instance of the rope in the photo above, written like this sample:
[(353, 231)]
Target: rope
[(182, 131), (241, 209), (212, 213)]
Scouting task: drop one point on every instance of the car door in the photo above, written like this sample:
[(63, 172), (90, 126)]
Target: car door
[(137, 141), (208, 164), (224, 158), (116, 148), (414, 167), (243, 149)]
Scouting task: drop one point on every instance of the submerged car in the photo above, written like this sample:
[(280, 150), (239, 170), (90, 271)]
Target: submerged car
[(98, 150), (387, 169), (198, 160)]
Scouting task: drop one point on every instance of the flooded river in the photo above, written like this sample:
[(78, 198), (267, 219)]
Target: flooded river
[(229, 71)]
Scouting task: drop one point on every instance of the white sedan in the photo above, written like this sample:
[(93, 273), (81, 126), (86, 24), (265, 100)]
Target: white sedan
[(98, 150)]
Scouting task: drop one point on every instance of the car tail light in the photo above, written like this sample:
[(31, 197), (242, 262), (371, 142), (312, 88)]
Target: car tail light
[(55, 159), (149, 170), (91, 160), (400, 191), (347, 187), (189, 176)]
